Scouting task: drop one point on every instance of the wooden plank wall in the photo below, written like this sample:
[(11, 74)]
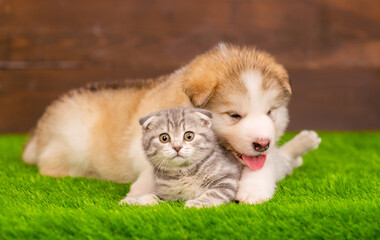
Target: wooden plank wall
[(331, 49)]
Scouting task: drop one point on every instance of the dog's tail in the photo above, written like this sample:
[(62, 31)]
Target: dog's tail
[(30, 150)]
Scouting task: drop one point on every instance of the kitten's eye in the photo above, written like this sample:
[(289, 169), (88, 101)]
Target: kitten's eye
[(164, 138), (234, 115), (188, 136)]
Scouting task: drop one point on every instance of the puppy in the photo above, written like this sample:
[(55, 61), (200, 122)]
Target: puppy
[(94, 131)]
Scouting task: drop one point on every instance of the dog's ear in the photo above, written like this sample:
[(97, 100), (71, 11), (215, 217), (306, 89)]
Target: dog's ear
[(202, 75), (284, 80), (200, 87), (288, 86)]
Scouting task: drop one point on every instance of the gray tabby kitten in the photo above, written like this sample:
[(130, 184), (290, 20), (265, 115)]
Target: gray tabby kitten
[(188, 162)]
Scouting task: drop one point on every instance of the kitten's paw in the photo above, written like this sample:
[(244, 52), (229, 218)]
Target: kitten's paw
[(249, 196), (148, 199), (308, 139), (199, 204)]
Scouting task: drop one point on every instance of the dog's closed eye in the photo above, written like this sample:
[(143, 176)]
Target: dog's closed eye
[(234, 115)]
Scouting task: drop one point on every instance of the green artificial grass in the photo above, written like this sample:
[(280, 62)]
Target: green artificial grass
[(334, 195)]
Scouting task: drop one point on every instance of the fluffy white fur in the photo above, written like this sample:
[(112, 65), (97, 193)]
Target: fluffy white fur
[(257, 186)]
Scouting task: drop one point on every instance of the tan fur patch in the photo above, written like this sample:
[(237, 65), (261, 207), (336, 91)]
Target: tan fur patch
[(217, 73)]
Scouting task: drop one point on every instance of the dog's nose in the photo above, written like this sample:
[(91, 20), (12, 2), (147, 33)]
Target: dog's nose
[(177, 148), (261, 145)]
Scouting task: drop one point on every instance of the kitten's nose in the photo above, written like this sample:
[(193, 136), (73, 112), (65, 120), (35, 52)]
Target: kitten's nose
[(261, 145), (177, 148)]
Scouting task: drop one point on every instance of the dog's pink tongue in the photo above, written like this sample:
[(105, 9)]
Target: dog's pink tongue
[(255, 163)]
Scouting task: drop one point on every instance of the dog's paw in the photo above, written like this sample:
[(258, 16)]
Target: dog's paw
[(129, 201), (249, 196), (149, 199), (309, 139), (145, 200)]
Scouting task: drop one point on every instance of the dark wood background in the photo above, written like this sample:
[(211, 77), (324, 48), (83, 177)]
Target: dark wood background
[(331, 49)]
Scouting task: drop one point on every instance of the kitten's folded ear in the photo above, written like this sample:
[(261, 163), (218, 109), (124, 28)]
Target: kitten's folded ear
[(147, 121), (204, 112), (205, 116)]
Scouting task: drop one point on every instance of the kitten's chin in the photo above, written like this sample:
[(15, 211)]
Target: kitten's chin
[(179, 161)]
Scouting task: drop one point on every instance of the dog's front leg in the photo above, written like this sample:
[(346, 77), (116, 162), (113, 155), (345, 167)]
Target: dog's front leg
[(142, 186), (256, 186), (290, 154), (302, 143)]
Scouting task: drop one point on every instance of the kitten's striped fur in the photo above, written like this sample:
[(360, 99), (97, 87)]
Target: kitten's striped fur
[(204, 174)]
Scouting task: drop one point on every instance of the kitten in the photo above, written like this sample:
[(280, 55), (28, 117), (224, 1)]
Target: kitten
[(188, 163)]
